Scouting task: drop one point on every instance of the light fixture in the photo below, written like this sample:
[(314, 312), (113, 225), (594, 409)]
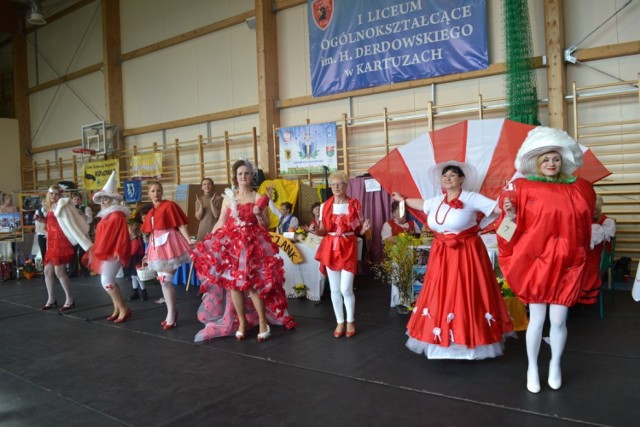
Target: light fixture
[(251, 23), (35, 13)]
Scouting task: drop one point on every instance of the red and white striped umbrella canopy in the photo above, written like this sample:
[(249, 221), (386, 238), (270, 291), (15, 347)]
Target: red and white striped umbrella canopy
[(488, 145)]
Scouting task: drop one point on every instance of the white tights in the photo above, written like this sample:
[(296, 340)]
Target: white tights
[(109, 270), (557, 337), (136, 283), (341, 284), (169, 294)]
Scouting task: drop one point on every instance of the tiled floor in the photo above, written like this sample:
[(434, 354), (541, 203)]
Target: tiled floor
[(77, 369)]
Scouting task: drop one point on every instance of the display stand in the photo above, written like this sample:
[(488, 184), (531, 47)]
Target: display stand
[(13, 228)]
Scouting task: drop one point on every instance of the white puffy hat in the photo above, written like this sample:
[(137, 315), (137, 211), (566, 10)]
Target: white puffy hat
[(109, 190), (541, 140), (470, 173)]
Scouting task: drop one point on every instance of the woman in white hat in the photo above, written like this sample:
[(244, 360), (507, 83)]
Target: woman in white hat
[(460, 313), (545, 261), (112, 246), (65, 228)]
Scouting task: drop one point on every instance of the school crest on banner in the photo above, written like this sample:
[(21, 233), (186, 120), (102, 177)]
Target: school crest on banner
[(96, 174), (322, 12)]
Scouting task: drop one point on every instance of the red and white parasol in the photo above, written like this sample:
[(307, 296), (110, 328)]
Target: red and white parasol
[(488, 145)]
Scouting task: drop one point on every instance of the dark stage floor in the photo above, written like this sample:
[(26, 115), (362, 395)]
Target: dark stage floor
[(78, 369)]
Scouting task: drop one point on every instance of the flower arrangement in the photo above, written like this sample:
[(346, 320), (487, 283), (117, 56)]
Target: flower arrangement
[(515, 307), (29, 266), (397, 266), (504, 288), (300, 234), (300, 289)]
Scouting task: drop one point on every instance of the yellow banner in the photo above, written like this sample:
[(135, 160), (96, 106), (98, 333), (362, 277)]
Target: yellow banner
[(147, 165), (283, 191), (288, 247), (96, 174)]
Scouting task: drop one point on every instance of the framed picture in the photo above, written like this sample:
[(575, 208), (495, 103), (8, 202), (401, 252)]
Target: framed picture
[(9, 222), (31, 203)]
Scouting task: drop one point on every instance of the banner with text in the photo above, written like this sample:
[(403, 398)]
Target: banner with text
[(306, 149), (146, 165), (356, 44), (96, 174)]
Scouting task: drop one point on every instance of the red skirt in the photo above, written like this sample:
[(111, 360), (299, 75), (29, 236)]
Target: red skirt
[(60, 251), (460, 313)]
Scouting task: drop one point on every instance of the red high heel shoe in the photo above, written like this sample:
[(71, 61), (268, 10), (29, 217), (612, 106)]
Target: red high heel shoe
[(339, 332), (164, 322), (351, 333), (166, 326), (112, 317), (48, 306), (68, 307), (124, 318)]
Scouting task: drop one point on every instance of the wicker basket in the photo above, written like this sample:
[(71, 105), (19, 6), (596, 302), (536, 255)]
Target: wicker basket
[(145, 274)]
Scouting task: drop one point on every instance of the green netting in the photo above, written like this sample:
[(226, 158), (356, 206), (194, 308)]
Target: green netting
[(522, 93)]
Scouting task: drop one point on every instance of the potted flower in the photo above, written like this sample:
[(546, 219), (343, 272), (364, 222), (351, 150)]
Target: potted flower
[(397, 267), (29, 269)]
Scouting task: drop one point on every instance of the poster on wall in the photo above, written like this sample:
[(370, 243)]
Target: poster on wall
[(308, 148), (147, 166), (96, 174), (357, 44)]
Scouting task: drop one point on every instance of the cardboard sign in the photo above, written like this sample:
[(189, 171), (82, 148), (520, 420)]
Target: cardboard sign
[(506, 229)]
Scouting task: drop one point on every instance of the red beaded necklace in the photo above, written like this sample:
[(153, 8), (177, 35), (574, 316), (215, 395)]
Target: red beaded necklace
[(438, 210), (453, 203)]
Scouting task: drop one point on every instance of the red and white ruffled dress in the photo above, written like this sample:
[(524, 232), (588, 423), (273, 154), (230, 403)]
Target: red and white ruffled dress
[(460, 313), (238, 256), (167, 249)]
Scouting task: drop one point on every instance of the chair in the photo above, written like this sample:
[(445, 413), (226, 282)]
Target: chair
[(606, 266)]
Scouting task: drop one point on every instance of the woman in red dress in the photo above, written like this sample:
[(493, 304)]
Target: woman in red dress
[(241, 275), (340, 223), (168, 246), (545, 261), (460, 312), (315, 222), (112, 247), (65, 228)]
